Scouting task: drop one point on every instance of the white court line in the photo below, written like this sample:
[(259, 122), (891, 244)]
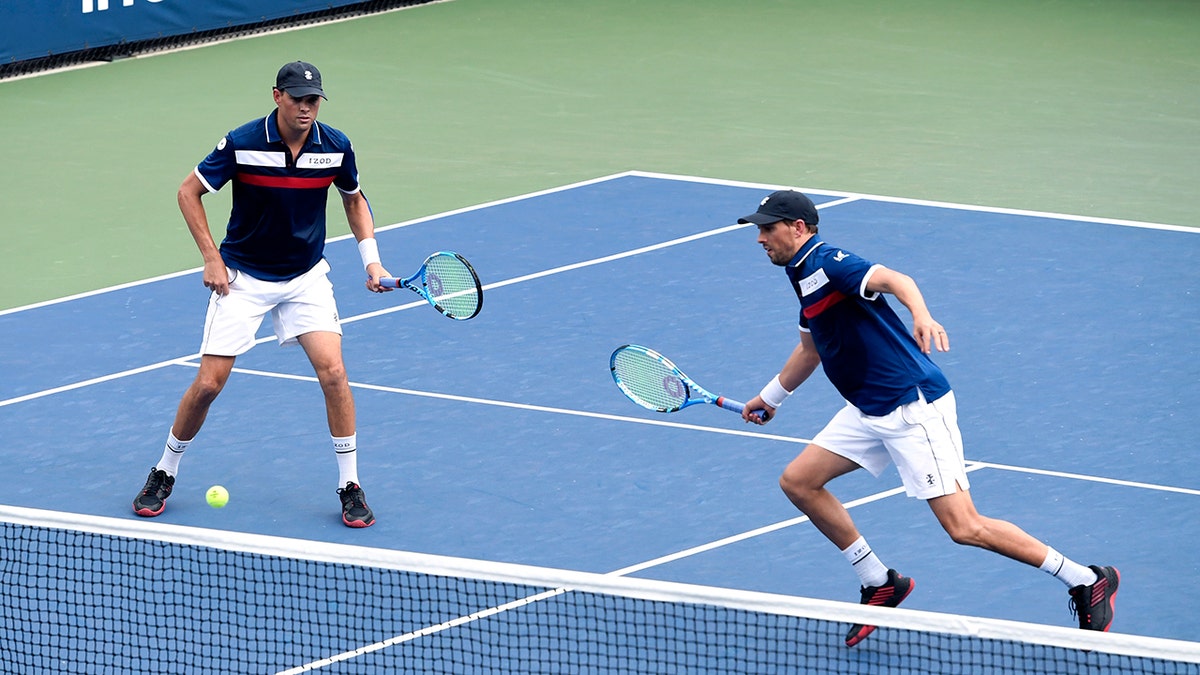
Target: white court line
[(641, 566), (398, 308), (579, 265), (924, 202), (677, 178), (655, 562), (1094, 479), (522, 602), (428, 630), (545, 595), (181, 361), (972, 465), (523, 406), (407, 223)]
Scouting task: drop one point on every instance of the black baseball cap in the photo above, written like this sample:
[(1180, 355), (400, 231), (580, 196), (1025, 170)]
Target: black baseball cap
[(783, 205), (300, 79)]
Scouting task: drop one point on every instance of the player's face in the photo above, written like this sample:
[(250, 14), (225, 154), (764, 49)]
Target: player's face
[(298, 114), (781, 240)]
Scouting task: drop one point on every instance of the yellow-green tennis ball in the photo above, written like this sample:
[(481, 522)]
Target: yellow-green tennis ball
[(217, 496)]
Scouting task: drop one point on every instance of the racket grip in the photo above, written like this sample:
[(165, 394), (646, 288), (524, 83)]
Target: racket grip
[(738, 407), (389, 282)]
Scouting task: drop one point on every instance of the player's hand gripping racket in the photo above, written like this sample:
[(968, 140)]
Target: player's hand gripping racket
[(448, 282), (650, 380)]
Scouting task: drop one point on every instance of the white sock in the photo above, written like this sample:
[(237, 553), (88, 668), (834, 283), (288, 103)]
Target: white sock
[(172, 453), (346, 448), (871, 571), (1066, 570)]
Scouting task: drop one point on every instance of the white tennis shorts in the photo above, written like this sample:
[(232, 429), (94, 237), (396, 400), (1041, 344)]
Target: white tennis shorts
[(922, 438), (297, 306)]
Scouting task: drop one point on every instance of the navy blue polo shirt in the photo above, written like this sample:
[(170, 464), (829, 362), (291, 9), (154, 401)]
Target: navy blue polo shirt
[(866, 350), (276, 227)]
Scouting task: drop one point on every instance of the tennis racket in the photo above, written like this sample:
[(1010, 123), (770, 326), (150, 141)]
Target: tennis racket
[(650, 380), (448, 282)]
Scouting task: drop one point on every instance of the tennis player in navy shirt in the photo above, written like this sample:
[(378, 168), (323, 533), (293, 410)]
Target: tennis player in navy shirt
[(272, 261), (899, 409)]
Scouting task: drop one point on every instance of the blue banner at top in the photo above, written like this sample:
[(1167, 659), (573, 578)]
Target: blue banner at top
[(31, 29)]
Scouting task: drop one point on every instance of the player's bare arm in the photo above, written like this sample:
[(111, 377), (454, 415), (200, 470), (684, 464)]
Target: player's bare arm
[(190, 192), (362, 224), (802, 362), (927, 332)]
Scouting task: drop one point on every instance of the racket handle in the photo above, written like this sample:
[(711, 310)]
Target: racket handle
[(738, 407), (389, 282)]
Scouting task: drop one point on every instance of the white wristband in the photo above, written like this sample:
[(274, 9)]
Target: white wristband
[(774, 394), (368, 250)]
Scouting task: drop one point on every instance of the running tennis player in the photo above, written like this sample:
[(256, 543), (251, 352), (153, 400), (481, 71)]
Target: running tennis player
[(272, 260), (899, 409)]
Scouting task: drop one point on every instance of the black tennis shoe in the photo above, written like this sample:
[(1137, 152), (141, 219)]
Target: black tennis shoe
[(890, 594), (355, 512), (153, 498), (1093, 604)]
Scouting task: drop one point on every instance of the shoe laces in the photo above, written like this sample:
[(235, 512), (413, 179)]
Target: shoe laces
[(156, 482), (352, 496), (1079, 607)]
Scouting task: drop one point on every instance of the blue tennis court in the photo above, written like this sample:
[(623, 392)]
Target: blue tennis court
[(503, 438)]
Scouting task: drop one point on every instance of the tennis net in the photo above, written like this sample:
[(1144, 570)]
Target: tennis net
[(90, 594)]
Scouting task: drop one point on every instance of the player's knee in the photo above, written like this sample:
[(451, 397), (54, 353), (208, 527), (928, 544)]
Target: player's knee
[(966, 533), (332, 375), (794, 485), (206, 388)]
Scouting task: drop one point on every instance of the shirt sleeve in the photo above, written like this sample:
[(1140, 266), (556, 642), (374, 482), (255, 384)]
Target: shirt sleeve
[(347, 178), (219, 167), (847, 272)]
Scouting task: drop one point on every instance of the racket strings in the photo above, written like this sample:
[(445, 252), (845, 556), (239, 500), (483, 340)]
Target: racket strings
[(649, 382), (452, 285)]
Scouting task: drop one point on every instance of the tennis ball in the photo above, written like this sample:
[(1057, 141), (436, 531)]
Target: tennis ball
[(217, 496)]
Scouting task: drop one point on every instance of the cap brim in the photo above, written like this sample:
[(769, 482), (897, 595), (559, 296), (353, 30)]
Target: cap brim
[(301, 92), (760, 219)]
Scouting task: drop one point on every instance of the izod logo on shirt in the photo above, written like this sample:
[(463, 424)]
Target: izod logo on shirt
[(813, 282)]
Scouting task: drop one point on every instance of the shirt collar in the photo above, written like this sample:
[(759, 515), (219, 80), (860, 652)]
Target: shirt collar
[(808, 247), (273, 135)]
